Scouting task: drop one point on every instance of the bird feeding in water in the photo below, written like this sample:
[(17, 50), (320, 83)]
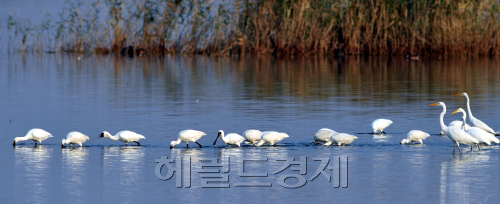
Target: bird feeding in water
[(271, 137), (35, 134), (252, 136), (124, 136), (74, 138), (230, 139), (341, 139), (188, 136), (456, 135), (380, 125), (323, 135), (415, 136)]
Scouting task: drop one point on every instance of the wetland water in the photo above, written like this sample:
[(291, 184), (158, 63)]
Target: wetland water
[(158, 97)]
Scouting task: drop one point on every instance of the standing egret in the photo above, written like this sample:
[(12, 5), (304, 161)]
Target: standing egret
[(341, 139), (74, 138), (380, 125), (188, 136), (271, 137), (478, 133), (252, 136), (415, 136), (323, 135), (474, 121), (456, 135), (124, 136), (35, 134), (230, 139)]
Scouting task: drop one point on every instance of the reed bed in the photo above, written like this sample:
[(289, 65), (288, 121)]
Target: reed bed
[(266, 27)]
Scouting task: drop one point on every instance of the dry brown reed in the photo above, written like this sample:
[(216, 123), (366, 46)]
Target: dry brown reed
[(267, 27)]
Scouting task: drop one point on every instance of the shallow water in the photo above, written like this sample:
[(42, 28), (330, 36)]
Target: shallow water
[(160, 96)]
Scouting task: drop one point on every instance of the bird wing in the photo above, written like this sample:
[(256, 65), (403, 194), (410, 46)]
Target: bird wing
[(480, 124), (40, 134), (480, 134), (252, 135), (324, 134), (461, 136), (235, 138)]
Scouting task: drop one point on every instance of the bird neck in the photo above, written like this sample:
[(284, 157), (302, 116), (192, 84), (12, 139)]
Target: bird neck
[(463, 121), (260, 143), (112, 137), (223, 137), (443, 126), (468, 108), (18, 139), (178, 141)]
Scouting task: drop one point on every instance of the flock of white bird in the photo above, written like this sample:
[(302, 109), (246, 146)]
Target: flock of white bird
[(459, 132)]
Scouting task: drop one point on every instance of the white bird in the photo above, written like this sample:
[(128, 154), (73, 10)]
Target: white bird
[(474, 121), (124, 136), (230, 139), (380, 125), (35, 134), (478, 133), (323, 135), (252, 136), (188, 136), (458, 124), (456, 135), (74, 138), (341, 139), (415, 136), (271, 137)]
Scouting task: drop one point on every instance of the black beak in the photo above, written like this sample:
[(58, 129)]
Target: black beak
[(101, 135), (14, 144), (171, 146), (215, 142)]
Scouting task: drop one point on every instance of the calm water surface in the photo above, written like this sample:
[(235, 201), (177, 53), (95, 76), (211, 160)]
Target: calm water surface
[(160, 96)]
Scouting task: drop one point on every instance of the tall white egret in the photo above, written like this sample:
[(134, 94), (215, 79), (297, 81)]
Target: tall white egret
[(474, 121), (341, 139), (478, 133), (271, 137), (74, 138), (124, 136), (188, 136), (380, 125), (456, 135), (323, 135), (35, 134), (415, 136), (230, 139), (252, 136)]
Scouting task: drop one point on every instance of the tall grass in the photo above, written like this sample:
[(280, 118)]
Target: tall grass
[(263, 27)]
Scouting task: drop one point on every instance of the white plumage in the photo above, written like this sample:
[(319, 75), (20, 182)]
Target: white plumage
[(380, 125), (456, 135), (341, 139), (271, 137), (415, 136), (188, 136), (474, 121), (124, 136), (252, 136), (74, 138), (323, 135), (478, 133), (35, 134), (230, 139)]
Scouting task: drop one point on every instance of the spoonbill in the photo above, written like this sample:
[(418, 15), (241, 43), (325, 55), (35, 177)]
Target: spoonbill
[(415, 136), (341, 139), (474, 121), (271, 137), (252, 136), (380, 125), (124, 136), (323, 135), (230, 139), (188, 136), (35, 134), (456, 135), (478, 133), (74, 138)]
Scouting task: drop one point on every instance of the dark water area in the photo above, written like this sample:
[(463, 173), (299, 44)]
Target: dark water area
[(160, 96)]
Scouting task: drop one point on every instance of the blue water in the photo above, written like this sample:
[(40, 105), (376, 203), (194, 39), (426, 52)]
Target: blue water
[(160, 96)]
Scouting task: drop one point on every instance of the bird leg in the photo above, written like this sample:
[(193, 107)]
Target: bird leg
[(126, 143), (187, 145), (412, 142), (138, 144), (459, 149), (478, 147), (383, 132), (454, 148), (198, 144)]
